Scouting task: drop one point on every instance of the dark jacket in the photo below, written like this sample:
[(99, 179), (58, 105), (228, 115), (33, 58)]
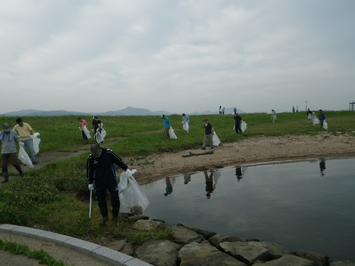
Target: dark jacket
[(102, 169)]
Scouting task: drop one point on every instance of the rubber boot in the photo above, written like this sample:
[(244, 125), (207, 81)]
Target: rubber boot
[(115, 211), (18, 168), (6, 177), (104, 213)]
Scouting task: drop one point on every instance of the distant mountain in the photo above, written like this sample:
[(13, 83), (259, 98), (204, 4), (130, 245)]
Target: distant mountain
[(128, 111)]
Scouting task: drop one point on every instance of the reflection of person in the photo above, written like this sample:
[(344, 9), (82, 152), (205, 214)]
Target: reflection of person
[(238, 173), (321, 118), (166, 126), (187, 178), (273, 116), (8, 140), (83, 124), (209, 183), (169, 187), (208, 135), (237, 123), (322, 166), (100, 168), (185, 122), (24, 131)]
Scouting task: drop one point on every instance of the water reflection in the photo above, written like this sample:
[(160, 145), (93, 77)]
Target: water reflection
[(238, 173), (187, 178), (169, 187), (322, 167), (209, 183)]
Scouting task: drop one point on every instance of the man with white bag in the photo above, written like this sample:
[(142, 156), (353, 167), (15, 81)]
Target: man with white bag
[(101, 169), (8, 140)]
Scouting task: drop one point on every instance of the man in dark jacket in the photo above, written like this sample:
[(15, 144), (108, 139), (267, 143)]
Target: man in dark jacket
[(208, 137), (237, 123), (321, 118), (101, 169)]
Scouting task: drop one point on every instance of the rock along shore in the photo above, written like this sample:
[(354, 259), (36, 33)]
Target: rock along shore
[(191, 247)]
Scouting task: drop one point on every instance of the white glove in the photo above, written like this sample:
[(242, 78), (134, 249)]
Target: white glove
[(91, 186), (131, 173), (22, 144)]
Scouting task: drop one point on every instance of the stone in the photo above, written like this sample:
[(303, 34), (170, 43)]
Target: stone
[(158, 252), (276, 250), (146, 225), (204, 254), (206, 234), (245, 252), (121, 246), (218, 238), (317, 258), (182, 235), (287, 260)]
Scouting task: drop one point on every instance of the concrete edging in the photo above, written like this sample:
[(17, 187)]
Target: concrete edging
[(105, 254)]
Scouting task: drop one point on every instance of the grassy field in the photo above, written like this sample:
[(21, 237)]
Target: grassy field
[(56, 197)]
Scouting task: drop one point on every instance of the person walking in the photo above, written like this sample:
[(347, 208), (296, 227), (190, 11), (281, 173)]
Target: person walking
[(101, 169), (321, 118), (208, 137), (24, 131), (8, 140), (237, 123), (273, 116), (97, 126), (83, 124), (185, 122), (167, 126)]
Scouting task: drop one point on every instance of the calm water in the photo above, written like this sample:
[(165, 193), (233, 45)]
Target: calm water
[(295, 204)]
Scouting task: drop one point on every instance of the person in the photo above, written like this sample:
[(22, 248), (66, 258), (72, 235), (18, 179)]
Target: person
[(166, 126), (83, 124), (309, 114), (169, 187), (8, 140), (101, 169), (273, 115), (97, 126), (237, 123), (185, 122), (223, 109), (322, 167), (238, 173), (24, 131), (220, 110), (208, 137), (293, 109), (235, 110), (209, 183), (321, 118)]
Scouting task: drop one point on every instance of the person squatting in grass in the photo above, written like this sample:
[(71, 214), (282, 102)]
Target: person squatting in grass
[(101, 169)]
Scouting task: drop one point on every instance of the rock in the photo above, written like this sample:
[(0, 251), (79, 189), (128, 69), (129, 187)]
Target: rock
[(204, 254), (136, 218), (218, 238), (121, 246), (206, 234), (276, 250), (182, 235), (245, 252), (317, 258), (146, 225), (158, 252), (287, 260), (342, 263)]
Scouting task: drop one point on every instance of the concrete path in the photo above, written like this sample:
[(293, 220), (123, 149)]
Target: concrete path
[(70, 250)]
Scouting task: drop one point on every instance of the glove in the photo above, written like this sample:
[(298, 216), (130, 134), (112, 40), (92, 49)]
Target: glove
[(130, 173), (22, 144), (91, 186)]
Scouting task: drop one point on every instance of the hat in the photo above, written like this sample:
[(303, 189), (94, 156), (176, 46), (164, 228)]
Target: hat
[(95, 117), (206, 120), (6, 127), (183, 114), (95, 149), (162, 116)]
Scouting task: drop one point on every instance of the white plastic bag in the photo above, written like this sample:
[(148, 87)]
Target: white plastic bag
[(325, 125), (132, 197), (100, 136), (172, 133), (215, 139), (315, 121), (36, 142), (186, 126), (243, 126), (87, 132), (24, 158)]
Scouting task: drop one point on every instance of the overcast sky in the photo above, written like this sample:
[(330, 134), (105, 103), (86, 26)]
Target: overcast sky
[(177, 56)]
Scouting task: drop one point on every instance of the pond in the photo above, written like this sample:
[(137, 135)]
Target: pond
[(299, 204)]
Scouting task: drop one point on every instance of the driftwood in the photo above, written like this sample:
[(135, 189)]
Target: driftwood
[(197, 154)]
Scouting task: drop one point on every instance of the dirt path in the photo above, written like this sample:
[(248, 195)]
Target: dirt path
[(249, 150)]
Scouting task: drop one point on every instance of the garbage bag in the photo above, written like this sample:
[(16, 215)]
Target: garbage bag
[(100, 136), (132, 197), (24, 158), (215, 139), (325, 125), (36, 142), (172, 133), (315, 120), (243, 126), (87, 132)]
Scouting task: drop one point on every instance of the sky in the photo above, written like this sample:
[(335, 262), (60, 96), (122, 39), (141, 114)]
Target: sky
[(177, 56)]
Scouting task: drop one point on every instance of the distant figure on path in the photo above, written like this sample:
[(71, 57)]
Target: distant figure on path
[(167, 126), (208, 137), (83, 125)]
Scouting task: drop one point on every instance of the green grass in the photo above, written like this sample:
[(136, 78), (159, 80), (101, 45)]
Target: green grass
[(56, 197)]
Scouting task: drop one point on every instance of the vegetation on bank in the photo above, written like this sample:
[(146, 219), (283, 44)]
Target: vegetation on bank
[(56, 198)]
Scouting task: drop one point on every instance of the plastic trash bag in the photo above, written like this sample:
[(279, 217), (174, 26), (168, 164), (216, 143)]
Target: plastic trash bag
[(87, 132), (36, 142), (132, 197), (186, 126), (172, 133), (315, 120), (325, 125), (100, 136), (215, 139), (24, 158), (243, 126)]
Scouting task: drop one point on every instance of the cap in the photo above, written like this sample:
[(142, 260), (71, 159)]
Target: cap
[(206, 120), (95, 117), (162, 116), (95, 149), (6, 127)]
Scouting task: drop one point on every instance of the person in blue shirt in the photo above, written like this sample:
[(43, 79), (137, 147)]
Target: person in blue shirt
[(166, 126), (321, 118)]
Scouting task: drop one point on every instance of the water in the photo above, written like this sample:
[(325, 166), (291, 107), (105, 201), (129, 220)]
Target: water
[(295, 204)]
